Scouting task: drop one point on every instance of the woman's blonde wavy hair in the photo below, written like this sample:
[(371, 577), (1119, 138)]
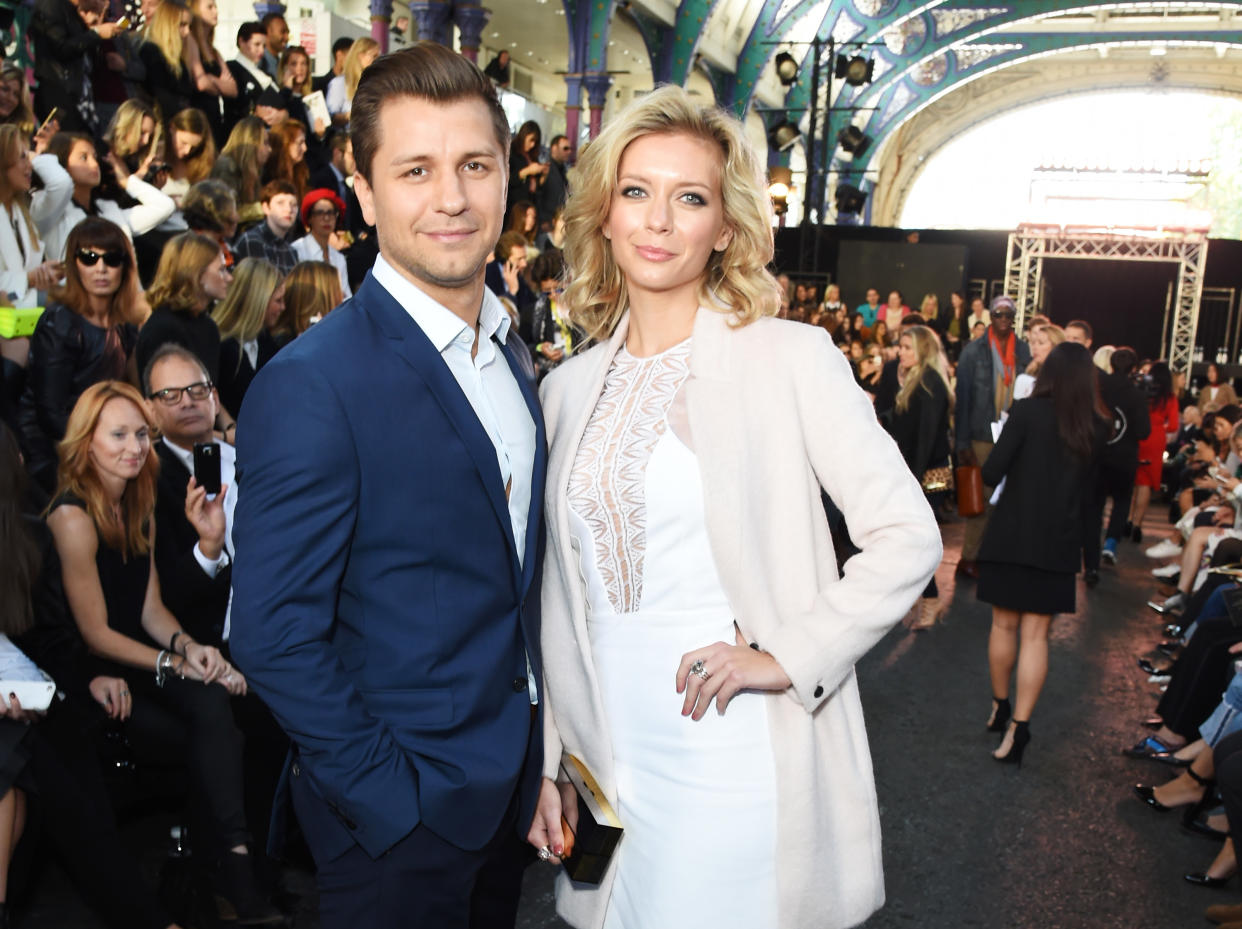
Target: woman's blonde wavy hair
[(1055, 334), (928, 358), (240, 314), (736, 280), (178, 282), (163, 30)]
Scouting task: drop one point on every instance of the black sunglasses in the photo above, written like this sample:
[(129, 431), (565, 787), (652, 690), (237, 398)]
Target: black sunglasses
[(89, 258)]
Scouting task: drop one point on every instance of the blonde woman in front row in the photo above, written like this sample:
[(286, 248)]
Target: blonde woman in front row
[(698, 642)]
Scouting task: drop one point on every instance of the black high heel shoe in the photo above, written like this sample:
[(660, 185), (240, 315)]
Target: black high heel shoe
[(1021, 739), (1000, 714)]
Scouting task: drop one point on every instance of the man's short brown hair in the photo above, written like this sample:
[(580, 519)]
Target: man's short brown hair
[(276, 188), (508, 242), (427, 70)]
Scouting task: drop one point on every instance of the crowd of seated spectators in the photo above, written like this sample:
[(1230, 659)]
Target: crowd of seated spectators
[(173, 218)]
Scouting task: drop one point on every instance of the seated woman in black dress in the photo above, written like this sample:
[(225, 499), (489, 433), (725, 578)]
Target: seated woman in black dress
[(87, 334), (45, 760), (1032, 547), (102, 523), (245, 316)]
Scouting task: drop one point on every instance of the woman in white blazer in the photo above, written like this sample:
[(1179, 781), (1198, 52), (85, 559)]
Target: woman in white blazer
[(77, 155), (27, 218), (698, 642)]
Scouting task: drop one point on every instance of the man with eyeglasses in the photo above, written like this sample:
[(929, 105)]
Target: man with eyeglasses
[(986, 373), (193, 559)]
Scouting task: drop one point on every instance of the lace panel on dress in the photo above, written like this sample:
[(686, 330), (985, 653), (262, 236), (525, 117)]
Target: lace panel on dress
[(607, 483)]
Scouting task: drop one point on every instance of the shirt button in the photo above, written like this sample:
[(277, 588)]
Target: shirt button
[(519, 685), (819, 691), (296, 769)]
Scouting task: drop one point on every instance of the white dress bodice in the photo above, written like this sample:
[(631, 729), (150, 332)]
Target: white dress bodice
[(636, 494)]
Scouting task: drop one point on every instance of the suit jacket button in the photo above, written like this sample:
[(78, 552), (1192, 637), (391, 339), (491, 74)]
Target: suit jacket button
[(519, 685), (297, 770), (819, 691)]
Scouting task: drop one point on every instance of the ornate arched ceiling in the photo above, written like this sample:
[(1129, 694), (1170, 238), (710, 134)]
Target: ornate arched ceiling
[(924, 53)]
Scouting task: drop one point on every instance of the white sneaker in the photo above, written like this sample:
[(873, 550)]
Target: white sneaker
[(1166, 549), (1169, 570)]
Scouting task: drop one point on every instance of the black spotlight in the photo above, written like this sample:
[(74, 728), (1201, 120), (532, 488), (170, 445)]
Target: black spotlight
[(850, 199), (856, 71), (786, 68), (783, 135), (853, 141)]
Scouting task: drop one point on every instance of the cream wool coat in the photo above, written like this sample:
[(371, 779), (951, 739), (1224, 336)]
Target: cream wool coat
[(774, 414)]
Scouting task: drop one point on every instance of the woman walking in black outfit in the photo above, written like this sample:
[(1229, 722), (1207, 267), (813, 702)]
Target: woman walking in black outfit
[(919, 424), (1032, 547)]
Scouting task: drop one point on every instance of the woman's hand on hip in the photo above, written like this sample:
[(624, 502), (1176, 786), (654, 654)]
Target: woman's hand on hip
[(728, 669)]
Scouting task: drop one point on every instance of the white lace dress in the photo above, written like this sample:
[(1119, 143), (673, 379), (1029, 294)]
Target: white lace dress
[(697, 799)]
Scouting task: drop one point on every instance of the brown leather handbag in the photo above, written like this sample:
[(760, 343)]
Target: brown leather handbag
[(970, 500)]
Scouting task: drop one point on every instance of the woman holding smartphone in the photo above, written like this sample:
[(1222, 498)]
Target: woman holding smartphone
[(695, 629)]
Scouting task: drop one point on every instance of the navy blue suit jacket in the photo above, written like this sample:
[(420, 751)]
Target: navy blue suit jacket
[(379, 607)]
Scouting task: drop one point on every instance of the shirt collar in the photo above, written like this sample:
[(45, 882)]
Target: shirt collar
[(440, 324)]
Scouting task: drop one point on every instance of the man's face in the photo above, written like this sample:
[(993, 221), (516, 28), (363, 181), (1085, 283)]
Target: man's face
[(437, 197), (348, 165), (976, 307), (1078, 335), (517, 256), (560, 151), (187, 421), (873, 296), (1002, 321), (277, 36), (252, 48), (271, 116), (281, 212)]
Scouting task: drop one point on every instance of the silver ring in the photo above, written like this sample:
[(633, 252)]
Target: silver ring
[(545, 853), (697, 668)]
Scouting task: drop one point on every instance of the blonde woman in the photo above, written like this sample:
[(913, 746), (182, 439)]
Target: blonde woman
[(312, 291), (244, 317), (919, 424), (19, 108), (695, 630), (168, 81), (135, 137), (341, 89), (191, 276), (1043, 339)]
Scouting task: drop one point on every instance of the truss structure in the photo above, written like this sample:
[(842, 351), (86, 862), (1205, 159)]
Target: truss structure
[(1030, 245)]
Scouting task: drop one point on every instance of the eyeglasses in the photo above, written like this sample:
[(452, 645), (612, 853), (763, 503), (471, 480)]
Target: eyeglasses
[(172, 395), (1005, 314), (89, 257), (332, 212)]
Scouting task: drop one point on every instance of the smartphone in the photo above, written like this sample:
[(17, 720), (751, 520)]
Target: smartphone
[(50, 116), (207, 466)]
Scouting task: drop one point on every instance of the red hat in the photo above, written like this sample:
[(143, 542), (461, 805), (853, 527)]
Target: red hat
[(320, 193)]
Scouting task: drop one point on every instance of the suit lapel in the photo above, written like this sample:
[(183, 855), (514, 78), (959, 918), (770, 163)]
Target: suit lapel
[(538, 472), (416, 350)]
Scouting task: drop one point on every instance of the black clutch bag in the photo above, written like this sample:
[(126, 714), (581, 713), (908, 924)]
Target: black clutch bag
[(597, 829)]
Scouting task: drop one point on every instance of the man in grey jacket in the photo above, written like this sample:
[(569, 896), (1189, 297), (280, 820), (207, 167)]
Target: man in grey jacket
[(986, 374)]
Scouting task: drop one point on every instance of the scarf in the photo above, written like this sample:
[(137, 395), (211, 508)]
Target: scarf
[(261, 77), (1003, 358)]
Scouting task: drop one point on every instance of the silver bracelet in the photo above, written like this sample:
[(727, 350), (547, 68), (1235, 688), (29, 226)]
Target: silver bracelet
[(161, 666)]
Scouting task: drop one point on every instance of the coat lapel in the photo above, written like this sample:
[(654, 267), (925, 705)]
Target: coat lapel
[(416, 350), (574, 413), (716, 410)]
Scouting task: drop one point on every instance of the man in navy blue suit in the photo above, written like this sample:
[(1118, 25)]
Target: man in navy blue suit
[(388, 528)]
